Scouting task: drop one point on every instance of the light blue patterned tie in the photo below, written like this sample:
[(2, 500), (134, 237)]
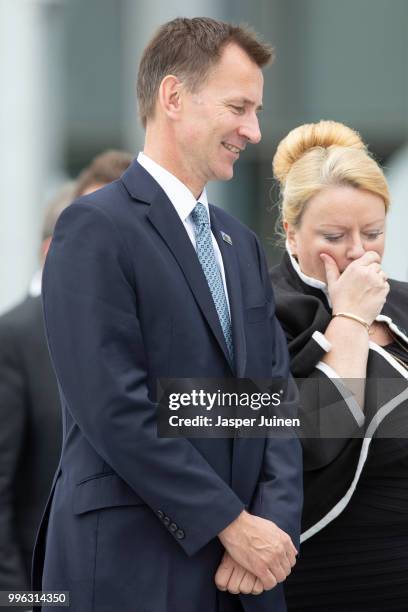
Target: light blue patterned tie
[(206, 256)]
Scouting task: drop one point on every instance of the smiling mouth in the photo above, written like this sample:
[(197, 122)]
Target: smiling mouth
[(231, 148)]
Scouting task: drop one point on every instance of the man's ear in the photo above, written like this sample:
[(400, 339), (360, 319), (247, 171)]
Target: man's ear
[(169, 97), (290, 237)]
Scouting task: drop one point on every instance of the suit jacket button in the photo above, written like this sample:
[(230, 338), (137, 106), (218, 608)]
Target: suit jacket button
[(180, 535), (166, 521), (160, 514), (173, 527)]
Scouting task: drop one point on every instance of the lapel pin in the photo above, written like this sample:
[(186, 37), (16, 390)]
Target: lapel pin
[(226, 238)]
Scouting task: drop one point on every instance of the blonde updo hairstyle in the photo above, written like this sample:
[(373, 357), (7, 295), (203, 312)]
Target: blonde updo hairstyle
[(317, 155)]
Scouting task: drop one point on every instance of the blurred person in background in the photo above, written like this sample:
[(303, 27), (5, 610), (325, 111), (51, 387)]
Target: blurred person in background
[(346, 327), (103, 169), (30, 420)]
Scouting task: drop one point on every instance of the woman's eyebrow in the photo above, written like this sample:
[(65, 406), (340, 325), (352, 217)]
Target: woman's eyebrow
[(332, 226), (378, 221)]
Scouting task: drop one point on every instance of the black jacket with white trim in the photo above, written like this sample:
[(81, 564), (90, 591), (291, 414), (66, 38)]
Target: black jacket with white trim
[(337, 436)]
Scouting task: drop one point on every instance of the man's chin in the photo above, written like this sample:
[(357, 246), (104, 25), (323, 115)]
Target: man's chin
[(225, 174)]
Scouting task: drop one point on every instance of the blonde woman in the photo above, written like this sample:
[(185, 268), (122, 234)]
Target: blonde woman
[(346, 328)]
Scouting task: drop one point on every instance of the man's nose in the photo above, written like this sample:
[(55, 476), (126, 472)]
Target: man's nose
[(250, 129)]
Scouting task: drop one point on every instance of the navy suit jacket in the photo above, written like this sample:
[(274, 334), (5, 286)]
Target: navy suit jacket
[(133, 519)]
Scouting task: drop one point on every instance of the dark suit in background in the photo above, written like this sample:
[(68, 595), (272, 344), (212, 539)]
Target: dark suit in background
[(30, 412), (30, 437)]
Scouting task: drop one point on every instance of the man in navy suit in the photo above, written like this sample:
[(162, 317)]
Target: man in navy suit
[(146, 280)]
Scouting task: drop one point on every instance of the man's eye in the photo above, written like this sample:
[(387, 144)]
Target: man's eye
[(238, 109), (373, 235), (333, 237)]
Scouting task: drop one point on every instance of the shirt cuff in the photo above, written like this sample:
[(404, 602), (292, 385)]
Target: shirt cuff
[(322, 341)]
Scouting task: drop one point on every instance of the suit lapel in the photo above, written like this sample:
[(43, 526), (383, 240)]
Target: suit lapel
[(166, 221), (229, 258), (142, 186), (164, 218)]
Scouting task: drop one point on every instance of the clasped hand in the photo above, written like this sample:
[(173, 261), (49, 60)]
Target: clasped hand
[(258, 555)]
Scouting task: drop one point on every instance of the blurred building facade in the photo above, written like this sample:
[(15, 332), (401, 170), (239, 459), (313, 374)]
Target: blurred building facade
[(69, 92)]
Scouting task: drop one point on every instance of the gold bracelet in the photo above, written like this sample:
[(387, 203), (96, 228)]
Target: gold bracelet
[(353, 317)]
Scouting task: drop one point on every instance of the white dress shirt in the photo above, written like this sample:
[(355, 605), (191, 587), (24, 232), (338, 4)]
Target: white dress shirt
[(184, 202)]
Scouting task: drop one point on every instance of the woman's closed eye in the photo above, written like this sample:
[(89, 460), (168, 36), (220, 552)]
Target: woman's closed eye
[(373, 235), (333, 237)]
